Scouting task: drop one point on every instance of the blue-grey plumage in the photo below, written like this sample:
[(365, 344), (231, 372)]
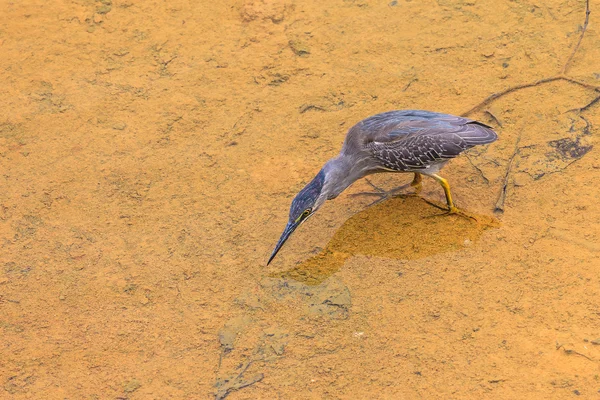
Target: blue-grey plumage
[(415, 141)]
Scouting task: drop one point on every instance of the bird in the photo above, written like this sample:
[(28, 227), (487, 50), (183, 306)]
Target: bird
[(409, 141)]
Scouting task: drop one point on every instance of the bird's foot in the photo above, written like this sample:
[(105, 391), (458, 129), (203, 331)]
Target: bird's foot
[(386, 194), (455, 211), (450, 210)]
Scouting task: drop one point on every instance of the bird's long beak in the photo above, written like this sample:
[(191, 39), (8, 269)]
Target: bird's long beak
[(290, 227)]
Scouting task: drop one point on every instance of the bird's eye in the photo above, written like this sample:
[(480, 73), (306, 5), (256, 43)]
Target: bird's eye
[(304, 215)]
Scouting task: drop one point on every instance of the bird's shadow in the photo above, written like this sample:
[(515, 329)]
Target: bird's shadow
[(402, 228)]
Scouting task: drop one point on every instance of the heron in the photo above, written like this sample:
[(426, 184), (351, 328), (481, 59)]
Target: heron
[(409, 141)]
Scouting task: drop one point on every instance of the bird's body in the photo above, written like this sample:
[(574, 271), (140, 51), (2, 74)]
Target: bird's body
[(415, 141)]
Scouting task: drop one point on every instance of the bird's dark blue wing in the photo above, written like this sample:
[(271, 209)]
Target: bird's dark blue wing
[(409, 140)]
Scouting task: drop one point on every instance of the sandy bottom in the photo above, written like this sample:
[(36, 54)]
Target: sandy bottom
[(149, 151)]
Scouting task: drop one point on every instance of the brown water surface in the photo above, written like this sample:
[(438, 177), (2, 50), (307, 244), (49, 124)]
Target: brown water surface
[(149, 151)]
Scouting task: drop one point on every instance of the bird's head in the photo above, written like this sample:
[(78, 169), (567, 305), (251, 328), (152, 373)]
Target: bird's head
[(304, 205)]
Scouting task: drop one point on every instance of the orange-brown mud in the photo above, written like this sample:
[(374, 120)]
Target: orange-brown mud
[(149, 151)]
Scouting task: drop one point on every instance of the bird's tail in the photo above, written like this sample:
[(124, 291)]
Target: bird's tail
[(476, 133)]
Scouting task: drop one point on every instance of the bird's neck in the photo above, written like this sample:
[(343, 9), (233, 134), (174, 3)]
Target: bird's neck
[(341, 172)]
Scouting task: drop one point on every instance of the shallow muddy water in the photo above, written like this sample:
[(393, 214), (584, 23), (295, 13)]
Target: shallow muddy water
[(149, 152)]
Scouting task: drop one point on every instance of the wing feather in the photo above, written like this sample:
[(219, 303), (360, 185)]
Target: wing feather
[(415, 140)]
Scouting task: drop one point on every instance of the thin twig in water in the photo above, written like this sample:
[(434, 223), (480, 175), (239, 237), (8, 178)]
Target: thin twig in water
[(500, 203), (409, 83), (496, 96), (588, 105), (550, 12), (238, 382), (571, 351), (586, 130), (585, 25), (560, 77), (580, 83), (591, 103), (488, 112), (478, 169)]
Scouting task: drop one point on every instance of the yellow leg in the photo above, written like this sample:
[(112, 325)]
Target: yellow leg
[(416, 183), (446, 187)]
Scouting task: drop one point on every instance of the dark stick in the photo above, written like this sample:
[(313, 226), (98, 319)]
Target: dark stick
[(588, 105), (500, 203), (583, 84), (478, 169), (591, 103), (494, 117), (561, 77), (585, 25), (496, 96)]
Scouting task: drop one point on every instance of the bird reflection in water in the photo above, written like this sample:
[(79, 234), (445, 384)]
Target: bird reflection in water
[(404, 227)]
